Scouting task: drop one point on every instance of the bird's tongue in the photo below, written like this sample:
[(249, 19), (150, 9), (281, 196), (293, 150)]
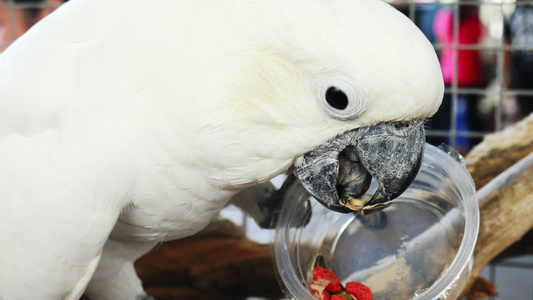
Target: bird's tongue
[(353, 179)]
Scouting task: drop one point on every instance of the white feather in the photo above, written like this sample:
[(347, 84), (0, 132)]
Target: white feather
[(139, 120)]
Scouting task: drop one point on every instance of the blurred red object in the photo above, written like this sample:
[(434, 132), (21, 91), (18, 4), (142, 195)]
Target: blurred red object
[(17, 16)]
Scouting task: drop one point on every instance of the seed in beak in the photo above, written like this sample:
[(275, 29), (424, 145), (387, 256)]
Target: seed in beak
[(356, 204), (359, 204)]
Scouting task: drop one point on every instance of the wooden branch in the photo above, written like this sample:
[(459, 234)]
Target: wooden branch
[(499, 151), (502, 167), (481, 289), (522, 247), (218, 263), (505, 213)]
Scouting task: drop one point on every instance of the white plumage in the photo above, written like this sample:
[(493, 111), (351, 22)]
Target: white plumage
[(125, 123)]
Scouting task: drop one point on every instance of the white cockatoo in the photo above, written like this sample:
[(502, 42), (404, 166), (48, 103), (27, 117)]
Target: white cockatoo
[(126, 123)]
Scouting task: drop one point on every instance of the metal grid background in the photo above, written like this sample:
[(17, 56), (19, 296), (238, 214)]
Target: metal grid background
[(493, 105)]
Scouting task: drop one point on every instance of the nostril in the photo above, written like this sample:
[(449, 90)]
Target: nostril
[(401, 125)]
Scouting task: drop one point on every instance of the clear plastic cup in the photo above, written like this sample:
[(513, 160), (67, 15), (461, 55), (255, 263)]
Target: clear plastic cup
[(420, 247)]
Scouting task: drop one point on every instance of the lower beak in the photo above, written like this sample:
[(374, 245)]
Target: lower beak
[(343, 167)]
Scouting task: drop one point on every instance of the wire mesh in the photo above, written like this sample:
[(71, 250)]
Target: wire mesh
[(502, 95), (499, 98)]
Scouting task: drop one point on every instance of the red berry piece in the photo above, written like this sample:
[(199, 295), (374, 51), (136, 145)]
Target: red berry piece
[(318, 288), (334, 285), (359, 290)]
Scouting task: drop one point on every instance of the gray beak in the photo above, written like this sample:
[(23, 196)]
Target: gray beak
[(342, 168)]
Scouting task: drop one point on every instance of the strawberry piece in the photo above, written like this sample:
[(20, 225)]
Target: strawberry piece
[(359, 290), (318, 288), (334, 285)]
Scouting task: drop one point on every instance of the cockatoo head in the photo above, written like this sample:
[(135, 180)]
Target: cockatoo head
[(342, 87)]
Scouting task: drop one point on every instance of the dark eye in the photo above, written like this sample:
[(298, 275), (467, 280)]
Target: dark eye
[(340, 97), (336, 98)]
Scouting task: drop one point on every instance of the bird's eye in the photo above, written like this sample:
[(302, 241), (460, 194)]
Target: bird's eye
[(340, 97), (336, 98)]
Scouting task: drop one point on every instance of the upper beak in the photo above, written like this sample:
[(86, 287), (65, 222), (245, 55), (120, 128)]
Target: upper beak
[(342, 168)]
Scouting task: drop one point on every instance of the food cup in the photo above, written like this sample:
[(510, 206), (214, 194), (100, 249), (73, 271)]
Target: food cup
[(420, 247)]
